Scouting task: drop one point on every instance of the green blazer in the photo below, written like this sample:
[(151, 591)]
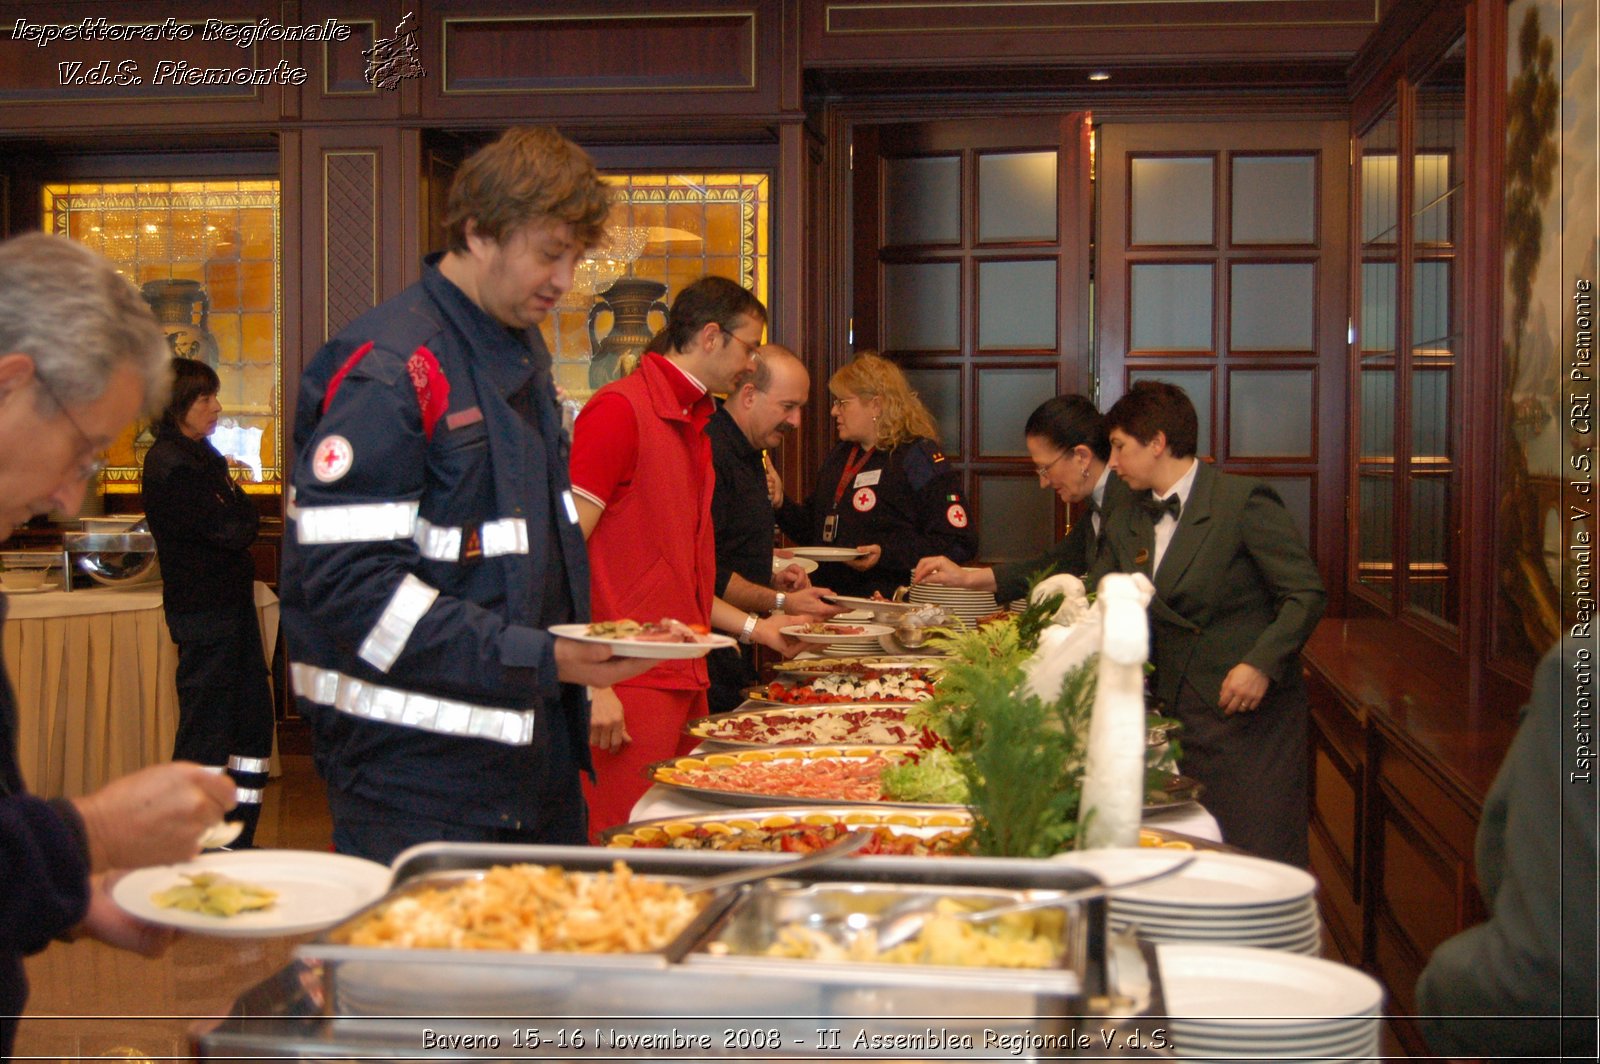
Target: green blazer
[(1235, 585), (1076, 554)]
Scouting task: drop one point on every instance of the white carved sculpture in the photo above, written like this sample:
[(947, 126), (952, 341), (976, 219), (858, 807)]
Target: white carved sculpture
[(1113, 780), (1116, 628)]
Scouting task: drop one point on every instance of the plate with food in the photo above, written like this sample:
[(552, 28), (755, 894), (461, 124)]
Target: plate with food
[(802, 829), (882, 725), (253, 893), (665, 639), (824, 775), (827, 554), (1173, 792), (829, 632), (840, 688), (878, 607), (868, 666)]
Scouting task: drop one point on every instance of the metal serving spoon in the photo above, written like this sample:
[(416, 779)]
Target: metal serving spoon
[(906, 924), (220, 834), (843, 848)]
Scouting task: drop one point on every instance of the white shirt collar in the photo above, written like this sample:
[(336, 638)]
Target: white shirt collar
[(1184, 485), (690, 377), (1099, 492)]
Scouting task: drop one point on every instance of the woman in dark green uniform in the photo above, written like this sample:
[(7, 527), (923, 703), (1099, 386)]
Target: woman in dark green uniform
[(886, 489)]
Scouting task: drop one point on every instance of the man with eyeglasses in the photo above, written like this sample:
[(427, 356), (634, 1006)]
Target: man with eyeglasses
[(643, 479), (80, 356)]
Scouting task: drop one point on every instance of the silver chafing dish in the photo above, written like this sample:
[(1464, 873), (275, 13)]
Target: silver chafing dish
[(686, 1000)]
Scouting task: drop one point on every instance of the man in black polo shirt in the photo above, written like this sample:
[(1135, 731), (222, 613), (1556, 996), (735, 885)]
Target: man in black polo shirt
[(756, 417)]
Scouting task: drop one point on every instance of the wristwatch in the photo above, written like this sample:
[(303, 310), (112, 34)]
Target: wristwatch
[(748, 630), (777, 605)]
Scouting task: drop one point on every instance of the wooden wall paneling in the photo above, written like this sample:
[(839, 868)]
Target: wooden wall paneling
[(339, 88), (904, 34), (114, 84), (1338, 808), (294, 281), (1420, 878), (1502, 685), (354, 228), (645, 62)]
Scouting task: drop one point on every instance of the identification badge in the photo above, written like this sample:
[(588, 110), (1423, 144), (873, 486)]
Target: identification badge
[(830, 528), (870, 477)]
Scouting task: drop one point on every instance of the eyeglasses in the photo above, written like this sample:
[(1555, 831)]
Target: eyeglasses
[(749, 348), (1044, 470), (838, 404), (92, 466)]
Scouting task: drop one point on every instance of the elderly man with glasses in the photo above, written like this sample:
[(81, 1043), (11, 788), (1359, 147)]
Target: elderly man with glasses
[(80, 357)]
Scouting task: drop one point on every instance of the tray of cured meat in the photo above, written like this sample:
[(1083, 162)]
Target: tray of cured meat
[(912, 685), (900, 832), (863, 666), (858, 725), (802, 829), (823, 775)]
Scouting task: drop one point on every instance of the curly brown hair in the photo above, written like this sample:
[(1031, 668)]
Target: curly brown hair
[(531, 174), (904, 418)]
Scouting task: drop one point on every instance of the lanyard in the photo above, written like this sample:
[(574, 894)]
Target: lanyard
[(851, 468)]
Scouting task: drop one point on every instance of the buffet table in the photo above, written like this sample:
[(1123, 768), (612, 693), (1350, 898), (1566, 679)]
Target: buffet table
[(1189, 819), (94, 673)]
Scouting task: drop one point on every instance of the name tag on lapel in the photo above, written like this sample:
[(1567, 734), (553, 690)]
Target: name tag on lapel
[(462, 418), (867, 479)]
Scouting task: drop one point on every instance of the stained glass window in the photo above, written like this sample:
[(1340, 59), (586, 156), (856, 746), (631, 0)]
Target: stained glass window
[(667, 230), (206, 256)]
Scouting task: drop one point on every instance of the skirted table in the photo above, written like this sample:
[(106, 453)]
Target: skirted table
[(94, 673)]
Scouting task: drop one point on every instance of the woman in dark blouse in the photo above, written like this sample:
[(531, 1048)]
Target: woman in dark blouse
[(204, 523), (886, 489)]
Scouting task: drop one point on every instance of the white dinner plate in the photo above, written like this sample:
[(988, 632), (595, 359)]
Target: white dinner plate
[(827, 554), (36, 590), (868, 633), (1261, 986), (1215, 881), (780, 564), (874, 606), (315, 890), (642, 648)]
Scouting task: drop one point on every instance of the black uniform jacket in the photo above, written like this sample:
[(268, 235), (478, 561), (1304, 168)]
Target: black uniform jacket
[(203, 523), (431, 537), (907, 500)]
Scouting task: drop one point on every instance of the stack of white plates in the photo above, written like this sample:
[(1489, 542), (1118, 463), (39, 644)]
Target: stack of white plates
[(1017, 605), (1222, 898), (962, 602), (1236, 1003)]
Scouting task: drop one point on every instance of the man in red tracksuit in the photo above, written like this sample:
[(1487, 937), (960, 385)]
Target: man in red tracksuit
[(643, 480)]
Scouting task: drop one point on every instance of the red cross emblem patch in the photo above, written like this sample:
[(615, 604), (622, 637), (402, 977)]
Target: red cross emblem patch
[(333, 459), (957, 515), (864, 500)]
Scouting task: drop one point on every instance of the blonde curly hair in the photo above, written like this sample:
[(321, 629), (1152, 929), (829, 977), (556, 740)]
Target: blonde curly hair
[(903, 417)]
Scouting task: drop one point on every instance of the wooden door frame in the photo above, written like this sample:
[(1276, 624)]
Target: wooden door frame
[(846, 124), (1331, 396)]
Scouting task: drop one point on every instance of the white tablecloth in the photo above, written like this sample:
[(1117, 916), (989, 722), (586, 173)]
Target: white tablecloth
[(659, 801), (94, 675)]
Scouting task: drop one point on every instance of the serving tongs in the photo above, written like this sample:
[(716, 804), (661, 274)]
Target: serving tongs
[(895, 927), (846, 846)]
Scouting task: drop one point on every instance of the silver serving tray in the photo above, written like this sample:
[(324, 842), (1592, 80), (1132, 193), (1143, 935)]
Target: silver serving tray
[(659, 772), (757, 708), (358, 983)]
